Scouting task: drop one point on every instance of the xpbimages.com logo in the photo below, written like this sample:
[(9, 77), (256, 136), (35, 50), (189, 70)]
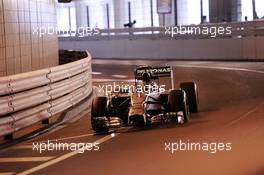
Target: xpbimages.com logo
[(58, 146), (53, 30), (212, 31), (130, 88), (212, 147)]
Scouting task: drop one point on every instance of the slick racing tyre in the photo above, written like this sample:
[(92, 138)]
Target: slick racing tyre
[(99, 110), (192, 95), (178, 102)]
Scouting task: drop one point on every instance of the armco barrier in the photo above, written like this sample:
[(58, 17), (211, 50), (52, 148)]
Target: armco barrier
[(28, 98)]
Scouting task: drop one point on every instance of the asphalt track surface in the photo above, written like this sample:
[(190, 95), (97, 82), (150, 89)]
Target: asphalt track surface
[(231, 111)]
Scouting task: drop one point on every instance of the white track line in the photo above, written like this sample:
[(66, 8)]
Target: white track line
[(63, 157), (244, 116), (189, 66), (25, 159), (119, 76), (222, 68)]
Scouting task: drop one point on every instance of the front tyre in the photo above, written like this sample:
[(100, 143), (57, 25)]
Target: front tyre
[(99, 115), (178, 102), (192, 95)]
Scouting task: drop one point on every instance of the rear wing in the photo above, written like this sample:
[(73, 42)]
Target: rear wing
[(154, 73)]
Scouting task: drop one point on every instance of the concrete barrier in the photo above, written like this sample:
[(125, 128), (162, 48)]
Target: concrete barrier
[(244, 43)]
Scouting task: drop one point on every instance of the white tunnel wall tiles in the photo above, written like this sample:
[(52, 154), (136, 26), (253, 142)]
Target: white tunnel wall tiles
[(20, 49)]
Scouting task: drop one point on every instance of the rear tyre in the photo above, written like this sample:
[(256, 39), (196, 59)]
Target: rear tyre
[(178, 102), (99, 109), (192, 95)]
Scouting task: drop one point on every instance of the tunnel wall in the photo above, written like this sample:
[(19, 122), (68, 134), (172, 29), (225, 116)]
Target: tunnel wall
[(218, 48), (21, 48)]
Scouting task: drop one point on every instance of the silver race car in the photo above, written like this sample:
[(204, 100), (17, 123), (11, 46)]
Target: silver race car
[(147, 103)]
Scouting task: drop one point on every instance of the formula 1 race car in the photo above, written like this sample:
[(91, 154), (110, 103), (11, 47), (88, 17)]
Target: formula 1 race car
[(147, 103)]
